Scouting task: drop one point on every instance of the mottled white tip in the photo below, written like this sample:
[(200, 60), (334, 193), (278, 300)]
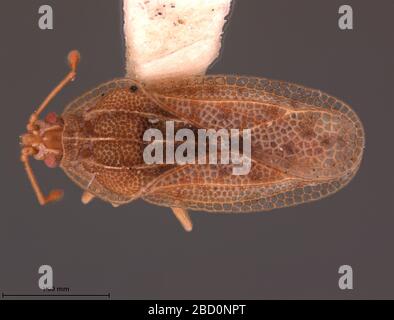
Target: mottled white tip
[(172, 38)]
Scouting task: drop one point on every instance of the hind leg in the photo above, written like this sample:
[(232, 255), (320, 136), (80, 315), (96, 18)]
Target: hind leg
[(184, 218)]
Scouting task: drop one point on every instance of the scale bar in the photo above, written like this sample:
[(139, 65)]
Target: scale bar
[(4, 295)]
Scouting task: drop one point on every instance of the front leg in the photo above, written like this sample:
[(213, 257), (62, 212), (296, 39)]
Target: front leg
[(87, 197)]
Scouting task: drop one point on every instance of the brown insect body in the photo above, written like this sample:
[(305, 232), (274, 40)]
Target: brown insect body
[(305, 144)]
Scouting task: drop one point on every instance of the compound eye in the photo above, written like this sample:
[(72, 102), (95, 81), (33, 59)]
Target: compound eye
[(51, 161), (51, 118)]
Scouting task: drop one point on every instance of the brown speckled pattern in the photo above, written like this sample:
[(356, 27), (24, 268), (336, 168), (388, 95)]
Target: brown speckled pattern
[(305, 143)]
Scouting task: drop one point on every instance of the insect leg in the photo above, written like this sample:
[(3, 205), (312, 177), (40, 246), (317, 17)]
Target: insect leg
[(183, 217), (54, 195), (73, 59), (87, 197)]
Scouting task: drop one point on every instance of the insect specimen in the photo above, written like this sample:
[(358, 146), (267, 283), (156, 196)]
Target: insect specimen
[(305, 144)]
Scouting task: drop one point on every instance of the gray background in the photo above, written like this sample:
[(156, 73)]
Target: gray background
[(139, 250)]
